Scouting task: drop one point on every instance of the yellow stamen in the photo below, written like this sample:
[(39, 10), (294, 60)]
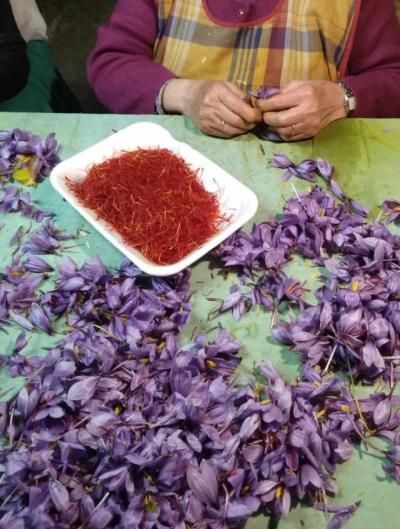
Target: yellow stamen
[(279, 492), (258, 389), (118, 409), (144, 361)]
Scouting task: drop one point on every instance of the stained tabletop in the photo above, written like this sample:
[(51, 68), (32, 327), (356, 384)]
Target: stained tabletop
[(366, 156)]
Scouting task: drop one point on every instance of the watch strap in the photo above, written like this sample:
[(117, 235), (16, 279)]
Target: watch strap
[(349, 99)]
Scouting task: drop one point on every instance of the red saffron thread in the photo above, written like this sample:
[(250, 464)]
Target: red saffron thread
[(154, 200)]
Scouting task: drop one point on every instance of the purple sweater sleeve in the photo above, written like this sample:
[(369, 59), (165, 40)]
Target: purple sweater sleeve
[(374, 63), (127, 80), (121, 68)]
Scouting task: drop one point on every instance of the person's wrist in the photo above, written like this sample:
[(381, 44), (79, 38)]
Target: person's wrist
[(349, 99), (159, 106), (175, 94), (335, 101)]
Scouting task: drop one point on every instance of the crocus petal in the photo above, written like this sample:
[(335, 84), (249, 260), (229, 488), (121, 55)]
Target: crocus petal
[(382, 412), (310, 475), (203, 483), (59, 495), (358, 208), (39, 318), (281, 161), (83, 390), (100, 518), (325, 168), (37, 265), (243, 508), (20, 342)]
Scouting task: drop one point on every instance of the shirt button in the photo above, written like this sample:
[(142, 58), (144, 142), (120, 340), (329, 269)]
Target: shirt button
[(241, 13)]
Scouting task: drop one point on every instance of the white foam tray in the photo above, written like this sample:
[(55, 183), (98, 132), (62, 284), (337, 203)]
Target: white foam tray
[(237, 201)]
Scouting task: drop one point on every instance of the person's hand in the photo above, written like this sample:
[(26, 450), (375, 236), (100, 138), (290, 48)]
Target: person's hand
[(216, 107), (303, 108)]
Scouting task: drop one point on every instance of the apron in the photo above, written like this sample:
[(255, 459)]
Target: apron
[(298, 40)]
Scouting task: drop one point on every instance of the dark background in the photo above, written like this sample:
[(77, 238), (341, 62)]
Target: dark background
[(72, 28)]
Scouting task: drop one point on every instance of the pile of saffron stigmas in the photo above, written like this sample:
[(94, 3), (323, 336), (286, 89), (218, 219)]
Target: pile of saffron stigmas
[(120, 426), (154, 200)]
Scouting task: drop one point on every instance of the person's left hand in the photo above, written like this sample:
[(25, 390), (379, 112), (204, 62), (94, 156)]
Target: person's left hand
[(303, 108)]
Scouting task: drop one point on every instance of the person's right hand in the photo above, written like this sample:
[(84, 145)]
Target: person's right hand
[(216, 107)]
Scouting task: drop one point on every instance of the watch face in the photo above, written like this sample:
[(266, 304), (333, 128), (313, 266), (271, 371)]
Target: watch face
[(352, 103)]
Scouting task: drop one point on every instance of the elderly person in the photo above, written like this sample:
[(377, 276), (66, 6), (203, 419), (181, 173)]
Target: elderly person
[(200, 57)]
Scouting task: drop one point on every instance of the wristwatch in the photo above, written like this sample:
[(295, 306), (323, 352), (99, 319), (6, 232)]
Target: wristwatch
[(349, 99)]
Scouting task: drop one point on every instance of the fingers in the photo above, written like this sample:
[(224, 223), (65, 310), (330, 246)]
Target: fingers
[(222, 111), (294, 112), (295, 132), (239, 105), (224, 124), (230, 115), (283, 118), (217, 126), (218, 108), (312, 106), (279, 102), (295, 93), (224, 130), (235, 110), (236, 90)]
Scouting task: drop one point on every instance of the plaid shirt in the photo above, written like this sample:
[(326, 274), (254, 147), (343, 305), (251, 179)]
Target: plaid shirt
[(303, 39)]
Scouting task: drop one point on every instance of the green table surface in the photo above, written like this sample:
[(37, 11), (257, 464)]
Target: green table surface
[(366, 154)]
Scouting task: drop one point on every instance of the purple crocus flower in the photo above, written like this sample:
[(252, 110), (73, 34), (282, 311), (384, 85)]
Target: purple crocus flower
[(37, 265), (39, 318), (325, 169), (120, 424), (341, 514), (281, 161), (358, 208), (21, 148), (203, 482), (264, 92), (236, 302), (391, 209), (303, 170)]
